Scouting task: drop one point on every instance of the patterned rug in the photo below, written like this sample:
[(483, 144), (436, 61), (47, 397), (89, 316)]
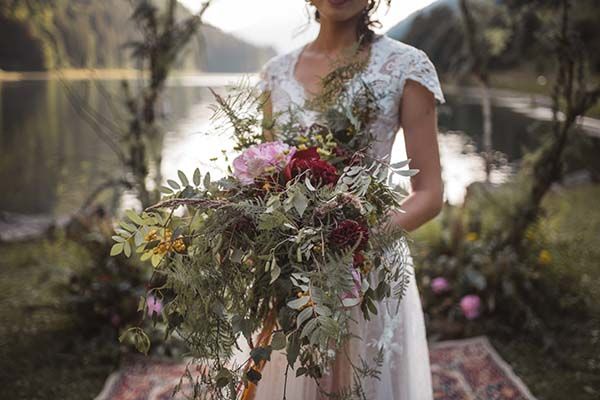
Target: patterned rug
[(467, 369)]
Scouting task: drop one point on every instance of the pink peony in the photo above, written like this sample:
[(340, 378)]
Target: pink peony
[(253, 162), (354, 293), (471, 306), (440, 285), (154, 305)]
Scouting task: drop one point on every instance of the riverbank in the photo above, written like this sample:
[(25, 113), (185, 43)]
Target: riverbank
[(69, 74), (535, 105), (104, 74)]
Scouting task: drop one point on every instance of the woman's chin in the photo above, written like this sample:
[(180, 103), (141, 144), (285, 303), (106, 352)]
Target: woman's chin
[(340, 10)]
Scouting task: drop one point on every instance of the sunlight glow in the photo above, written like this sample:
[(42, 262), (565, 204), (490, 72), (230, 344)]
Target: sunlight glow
[(280, 23)]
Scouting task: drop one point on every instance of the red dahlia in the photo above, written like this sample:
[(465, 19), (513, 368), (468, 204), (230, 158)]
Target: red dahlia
[(358, 258), (321, 172), (348, 233)]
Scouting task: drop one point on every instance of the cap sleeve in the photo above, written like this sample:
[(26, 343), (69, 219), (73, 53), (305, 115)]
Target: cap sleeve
[(422, 70), (264, 77)]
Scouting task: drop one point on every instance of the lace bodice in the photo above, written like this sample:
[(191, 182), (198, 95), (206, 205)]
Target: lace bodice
[(389, 65)]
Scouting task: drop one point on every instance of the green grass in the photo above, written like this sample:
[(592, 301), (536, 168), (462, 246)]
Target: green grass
[(571, 372), (42, 353)]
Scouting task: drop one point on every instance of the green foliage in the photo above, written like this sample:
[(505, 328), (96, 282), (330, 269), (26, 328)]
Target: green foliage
[(533, 286)]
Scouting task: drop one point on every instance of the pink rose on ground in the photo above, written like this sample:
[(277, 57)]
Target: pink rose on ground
[(440, 285), (154, 305), (471, 306), (254, 161), (354, 293)]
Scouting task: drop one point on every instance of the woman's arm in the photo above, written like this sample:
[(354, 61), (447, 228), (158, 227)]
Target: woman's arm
[(419, 121)]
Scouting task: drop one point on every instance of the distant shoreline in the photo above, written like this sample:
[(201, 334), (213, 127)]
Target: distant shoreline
[(100, 74)]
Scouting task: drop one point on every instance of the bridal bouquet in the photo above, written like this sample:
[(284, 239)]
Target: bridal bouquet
[(279, 252)]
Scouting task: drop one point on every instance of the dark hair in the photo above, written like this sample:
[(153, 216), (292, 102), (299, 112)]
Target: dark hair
[(366, 24)]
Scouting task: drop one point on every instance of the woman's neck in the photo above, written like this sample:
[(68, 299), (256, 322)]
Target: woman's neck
[(334, 37)]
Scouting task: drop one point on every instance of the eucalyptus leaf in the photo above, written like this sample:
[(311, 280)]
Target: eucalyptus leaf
[(127, 249), (304, 316), (278, 341), (146, 256), (298, 303), (407, 172), (196, 178), (173, 184), (401, 164), (134, 217), (275, 271), (351, 301), (183, 178), (128, 227), (155, 260), (323, 310), (293, 348), (117, 249), (309, 327), (300, 202), (138, 238)]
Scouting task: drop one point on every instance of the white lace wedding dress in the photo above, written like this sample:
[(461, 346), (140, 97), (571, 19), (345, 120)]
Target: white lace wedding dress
[(406, 373)]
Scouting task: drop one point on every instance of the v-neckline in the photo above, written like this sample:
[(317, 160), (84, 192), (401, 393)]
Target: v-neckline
[(296, 58)]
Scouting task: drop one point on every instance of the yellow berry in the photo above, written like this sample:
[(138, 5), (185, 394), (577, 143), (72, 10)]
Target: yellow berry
[(544, 257), (472, 236)]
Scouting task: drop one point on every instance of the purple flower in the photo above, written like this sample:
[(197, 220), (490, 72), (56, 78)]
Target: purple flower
[(255, 160), (154, 305), (440, 285), (471, 306)]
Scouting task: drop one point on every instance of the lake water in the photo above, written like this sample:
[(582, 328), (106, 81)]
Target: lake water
[(51, 158)]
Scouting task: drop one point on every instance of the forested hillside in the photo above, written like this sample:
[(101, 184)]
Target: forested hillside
[(438, 30), (45, 34)]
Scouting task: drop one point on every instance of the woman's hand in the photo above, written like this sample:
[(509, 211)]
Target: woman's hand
[(388, 224)]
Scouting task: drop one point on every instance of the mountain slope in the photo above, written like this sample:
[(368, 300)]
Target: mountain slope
[(438, 30), (40, 35), (403, 27)]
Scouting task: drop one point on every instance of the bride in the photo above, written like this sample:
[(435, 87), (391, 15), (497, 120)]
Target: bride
[(411, 88)]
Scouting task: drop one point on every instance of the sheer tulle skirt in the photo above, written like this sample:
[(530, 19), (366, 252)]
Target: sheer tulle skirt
[(405, 374)]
